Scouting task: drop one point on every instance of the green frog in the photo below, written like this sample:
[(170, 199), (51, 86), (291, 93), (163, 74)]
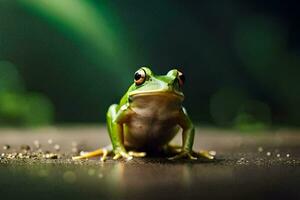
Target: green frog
[(148, 117)]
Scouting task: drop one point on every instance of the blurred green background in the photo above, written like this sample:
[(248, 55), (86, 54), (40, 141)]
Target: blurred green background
[(66, 61)]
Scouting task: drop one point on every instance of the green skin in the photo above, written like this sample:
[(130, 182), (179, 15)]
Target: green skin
[(149, 116)]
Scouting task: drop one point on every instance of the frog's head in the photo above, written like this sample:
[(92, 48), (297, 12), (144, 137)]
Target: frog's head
[(146, 83)]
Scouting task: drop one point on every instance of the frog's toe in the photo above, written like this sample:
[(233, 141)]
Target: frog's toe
[(206, 154), (122, 155), (104, 156), (117, 156), (98, 152), (137, 154), (183, 154)]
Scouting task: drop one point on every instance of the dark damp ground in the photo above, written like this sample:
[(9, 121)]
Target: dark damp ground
[(36, 164)]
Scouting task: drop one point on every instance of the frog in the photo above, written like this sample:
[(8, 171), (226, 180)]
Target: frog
[(149, 115)]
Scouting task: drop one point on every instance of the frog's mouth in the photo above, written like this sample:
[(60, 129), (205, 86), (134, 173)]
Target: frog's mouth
[(167, 93)]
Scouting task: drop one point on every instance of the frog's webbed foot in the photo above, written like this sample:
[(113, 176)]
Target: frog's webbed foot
[(122, 154), (193, 155), (206, 154), (176, 149), (99, 152), (184, 154), (128, 156)]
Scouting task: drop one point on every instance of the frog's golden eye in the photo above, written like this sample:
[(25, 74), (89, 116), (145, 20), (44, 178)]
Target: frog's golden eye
[(139, 77), (181, 78)]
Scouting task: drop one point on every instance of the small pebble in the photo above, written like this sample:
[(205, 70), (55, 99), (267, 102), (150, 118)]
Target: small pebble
[(53, 156), (6, 147), (25, 147), (50, 156), (20, 155), (242, 161), (11, 155), (268, 153), (260, 149)]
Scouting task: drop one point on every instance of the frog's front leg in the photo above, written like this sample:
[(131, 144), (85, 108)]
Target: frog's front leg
[(115, 120), (188, 133)]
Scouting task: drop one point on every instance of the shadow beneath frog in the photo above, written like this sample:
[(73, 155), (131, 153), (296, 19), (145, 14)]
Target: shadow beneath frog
[(162, 157)]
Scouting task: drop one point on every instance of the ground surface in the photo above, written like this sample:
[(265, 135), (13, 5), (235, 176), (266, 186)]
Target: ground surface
[(36, 164)]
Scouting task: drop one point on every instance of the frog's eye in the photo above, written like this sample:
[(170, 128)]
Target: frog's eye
[(139, 77), (181, 78)]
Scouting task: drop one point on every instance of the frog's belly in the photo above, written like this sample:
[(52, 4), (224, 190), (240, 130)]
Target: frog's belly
[(149, 132)]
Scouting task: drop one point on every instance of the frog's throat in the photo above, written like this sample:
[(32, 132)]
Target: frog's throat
[(166, 93)]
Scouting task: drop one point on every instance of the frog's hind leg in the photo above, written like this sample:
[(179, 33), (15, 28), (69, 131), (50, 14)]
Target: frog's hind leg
[(174, 149), (99, 152)]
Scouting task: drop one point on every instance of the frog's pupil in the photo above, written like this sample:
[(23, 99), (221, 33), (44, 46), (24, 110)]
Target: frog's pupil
[(137, 76)]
